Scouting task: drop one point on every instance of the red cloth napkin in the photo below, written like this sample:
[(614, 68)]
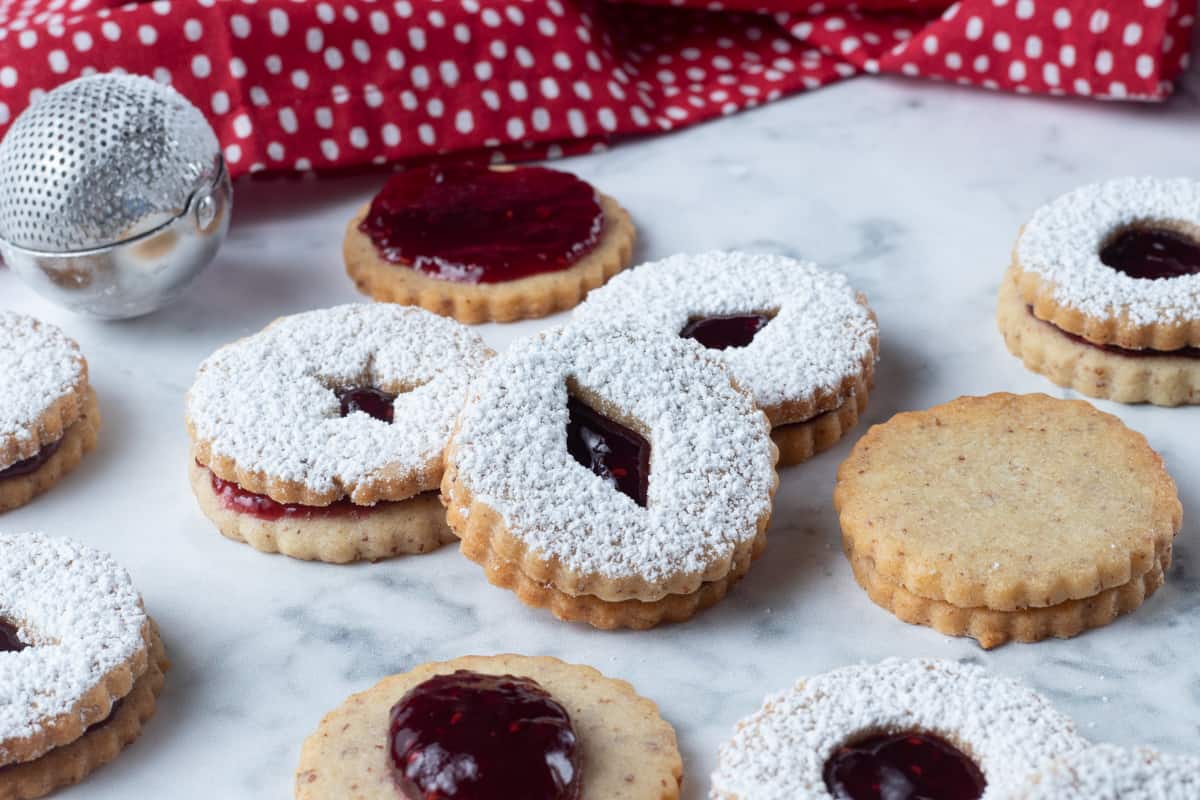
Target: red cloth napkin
[(301, 85)]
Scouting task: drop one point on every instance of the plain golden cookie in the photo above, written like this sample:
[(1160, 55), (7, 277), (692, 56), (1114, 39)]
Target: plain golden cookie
[(1006, 503)]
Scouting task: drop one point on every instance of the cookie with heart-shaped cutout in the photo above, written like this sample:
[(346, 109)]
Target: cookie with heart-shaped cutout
[(800, 339)]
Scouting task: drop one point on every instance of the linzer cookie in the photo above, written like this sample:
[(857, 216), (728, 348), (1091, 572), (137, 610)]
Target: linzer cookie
[(48, 413), (503, 726), (614, 475), (1103, 295), (936, 730), (487, 243), (1105, 772), (1007, 517), (322, 436), (798, 338), (81, 664)]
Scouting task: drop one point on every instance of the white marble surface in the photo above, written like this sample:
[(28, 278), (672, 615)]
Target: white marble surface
[(915, 190)]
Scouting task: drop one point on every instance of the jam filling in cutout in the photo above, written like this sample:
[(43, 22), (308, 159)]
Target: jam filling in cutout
[(1150, 253), (9, 643), (722, 332), (472, 224), (31, 464), (903, 766), (617, 454), (1183, 352), (467, 736), (367, 399)]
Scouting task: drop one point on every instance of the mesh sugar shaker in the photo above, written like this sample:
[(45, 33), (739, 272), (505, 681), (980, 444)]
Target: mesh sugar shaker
[(114, 195)]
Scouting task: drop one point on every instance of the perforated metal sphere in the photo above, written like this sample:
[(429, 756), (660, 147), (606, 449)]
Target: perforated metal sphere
[(113, 195), (101, 160)]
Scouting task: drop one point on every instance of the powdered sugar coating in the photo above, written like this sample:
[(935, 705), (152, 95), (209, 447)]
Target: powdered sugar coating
[(267, 402), (1062, 244), (1106, 772), (820, 336), (779, 752), (711, 462), (39, 365), (79, 609)]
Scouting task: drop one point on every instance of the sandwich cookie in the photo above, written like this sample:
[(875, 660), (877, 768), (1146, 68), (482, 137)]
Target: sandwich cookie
[(801, 340), (322, 436)]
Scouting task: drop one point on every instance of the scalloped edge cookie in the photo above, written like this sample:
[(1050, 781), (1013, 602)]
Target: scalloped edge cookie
[(879, 487), (392, 528), (79, 439), (70, 764), (820, 345), (1059, 272), (605, 615), (94, 706), (629, 751), (61, 412), (994, 628), (482, 530), (472, 303), (446, 354), (800, 441), (1107, 772), (1161, 379)]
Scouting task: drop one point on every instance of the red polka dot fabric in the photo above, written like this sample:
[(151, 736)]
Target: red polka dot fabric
[(296, 86)]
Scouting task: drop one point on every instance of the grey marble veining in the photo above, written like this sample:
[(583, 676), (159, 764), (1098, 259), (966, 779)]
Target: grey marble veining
[(913, 189)]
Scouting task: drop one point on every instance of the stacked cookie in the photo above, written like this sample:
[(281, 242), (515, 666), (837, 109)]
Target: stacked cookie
[(1007, 517), (81, 665), (322, 437), (1103, 294), (613, 474), (48, 412), (798, 338)]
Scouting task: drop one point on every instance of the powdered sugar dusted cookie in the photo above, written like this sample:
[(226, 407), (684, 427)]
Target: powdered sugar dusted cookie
[(607, 465), (100, 744), (48, 412), (1115, 268), (1105, 772), (484, 243), (76, 648), (504, 726), (1161, 377), (322, 436), (798, 338), (925, 728)]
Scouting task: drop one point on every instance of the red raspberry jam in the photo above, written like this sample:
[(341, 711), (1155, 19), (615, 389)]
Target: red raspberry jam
[(471, 224), (367, 399), (1152, 253), (617, 454), (1183, 352), (719, 333), (9, 643), (31, 464), (468, 736), (903, 766), (235, 498)]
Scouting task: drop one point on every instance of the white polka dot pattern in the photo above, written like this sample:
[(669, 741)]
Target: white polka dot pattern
[(299, 86)]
